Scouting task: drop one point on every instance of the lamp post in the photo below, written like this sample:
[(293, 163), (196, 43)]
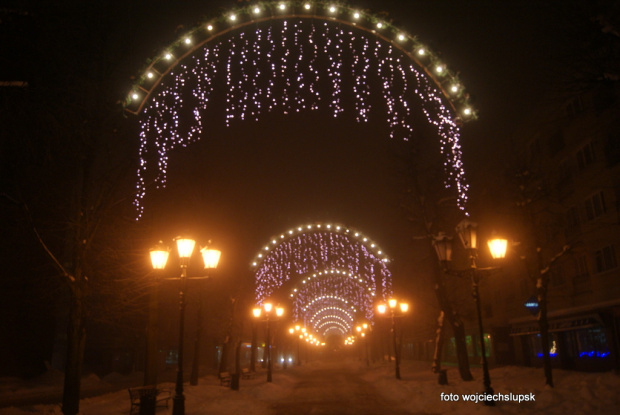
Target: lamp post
[(297, 331), (394, 306), (269, 310), (468, 236), (363, 330), (159, 258)]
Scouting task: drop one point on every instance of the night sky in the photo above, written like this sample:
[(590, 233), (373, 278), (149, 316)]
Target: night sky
[(243, 184)]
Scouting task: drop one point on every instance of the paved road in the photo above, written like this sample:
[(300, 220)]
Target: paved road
[(335, 389)]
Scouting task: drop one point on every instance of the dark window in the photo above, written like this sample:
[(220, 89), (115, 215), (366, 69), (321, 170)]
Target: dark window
[(574, 108), (585, 156), (572, 216), (556, 143), (605, 259), (581, 269), (612, 149), (595, 206)]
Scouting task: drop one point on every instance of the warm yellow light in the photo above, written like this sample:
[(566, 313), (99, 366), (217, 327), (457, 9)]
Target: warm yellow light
[(401, 37), (282, 6), (233, 17), (379, 25), (135, 96), (421, 52), (150, 75), (188, 41), (267, 307), (256, 312), (279, 311), (256, 10), (159, 257), (297, 327), (185, 246), (291, 330), (467, 111), (498, 247), (381, 308), (210, 257), (359, 329), (365, 326), (454, 88), (307, 6), (356, 15), (439, 69), (209, 27), (392, 303), (332, 9), (404, 307)]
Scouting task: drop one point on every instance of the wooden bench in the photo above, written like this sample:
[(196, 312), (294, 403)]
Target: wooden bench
[(247, 374), (225, 379), (161, 395)]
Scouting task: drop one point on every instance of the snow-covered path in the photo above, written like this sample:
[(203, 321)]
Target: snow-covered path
[(340, 387)]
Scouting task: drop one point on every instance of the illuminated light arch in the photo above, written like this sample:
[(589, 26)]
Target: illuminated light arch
[(174, 91), (313, 248), (354, 288), (336, 273)]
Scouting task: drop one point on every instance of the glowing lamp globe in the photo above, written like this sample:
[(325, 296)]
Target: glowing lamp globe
[(185, 247), (498, 247), (211, 257), (159, 257)]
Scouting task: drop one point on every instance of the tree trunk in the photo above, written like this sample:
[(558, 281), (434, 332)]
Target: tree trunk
[(76, 337), (438, 344), (457, 327)]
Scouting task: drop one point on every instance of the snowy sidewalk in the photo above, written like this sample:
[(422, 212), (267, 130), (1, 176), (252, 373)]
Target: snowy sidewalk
[(417, 392)]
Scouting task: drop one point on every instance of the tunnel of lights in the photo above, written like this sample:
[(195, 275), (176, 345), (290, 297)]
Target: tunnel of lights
[(294, 56), (331, 275)]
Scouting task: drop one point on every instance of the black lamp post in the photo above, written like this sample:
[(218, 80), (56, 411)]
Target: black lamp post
[(269, 311), (363, 331), (297, 331), (159, 258), (443, 246), (394, 307)]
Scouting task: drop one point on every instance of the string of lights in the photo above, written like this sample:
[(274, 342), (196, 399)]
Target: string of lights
[(291, 65)]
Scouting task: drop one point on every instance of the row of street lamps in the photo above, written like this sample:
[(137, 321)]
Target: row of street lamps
[(395, 309)]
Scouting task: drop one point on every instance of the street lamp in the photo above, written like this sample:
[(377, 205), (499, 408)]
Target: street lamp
[(159, 258), (297, 331), (467, 231), (363, 330), (269, 311), (396, 309)]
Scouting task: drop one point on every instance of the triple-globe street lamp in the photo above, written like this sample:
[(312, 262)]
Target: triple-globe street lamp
[(396, 309), (298, 331), (467, 232), (159, 258), (268, 311)]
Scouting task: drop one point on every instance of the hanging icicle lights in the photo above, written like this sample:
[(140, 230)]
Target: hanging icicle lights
[(294, 56), (337, 272), (333, 289)]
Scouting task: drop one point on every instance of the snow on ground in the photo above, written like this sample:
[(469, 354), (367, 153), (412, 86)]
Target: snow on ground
[(418, 392)]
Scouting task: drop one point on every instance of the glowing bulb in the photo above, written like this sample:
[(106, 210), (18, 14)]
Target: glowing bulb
[(421, 52), (150, 75), (332, 9), (356, 15), (188, 41), (467, 111), (135, 96), (282, 6), (256, 10), (233, 17), (168, 56), (439, 69), (307, 6), (209, 27), (379, 25), (401, 37), (454, 88)]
